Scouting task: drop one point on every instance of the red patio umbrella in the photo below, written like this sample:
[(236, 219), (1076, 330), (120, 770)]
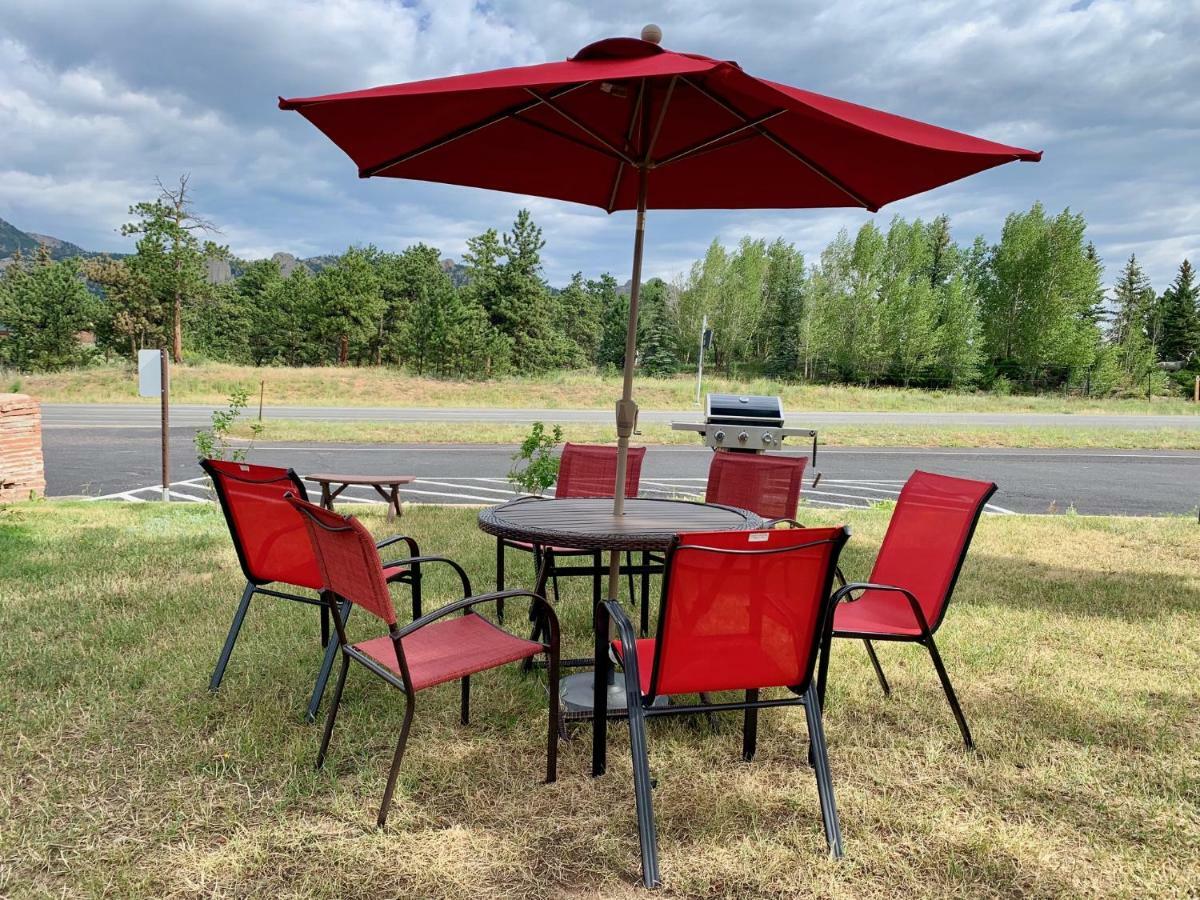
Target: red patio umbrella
[(627, 124)]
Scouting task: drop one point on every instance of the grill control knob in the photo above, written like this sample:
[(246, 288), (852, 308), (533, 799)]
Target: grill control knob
[(767, 439), (719, 436), (743, 437)]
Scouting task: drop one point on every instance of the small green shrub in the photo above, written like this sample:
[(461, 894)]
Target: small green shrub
[(540, 469), (213, 442)]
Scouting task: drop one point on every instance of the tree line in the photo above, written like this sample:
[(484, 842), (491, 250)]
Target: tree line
[(901, 305)]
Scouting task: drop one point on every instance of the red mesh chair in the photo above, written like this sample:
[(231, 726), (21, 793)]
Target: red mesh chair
[(906, 596), (584, 470), (430, 651), (273, 548), (767, 485), (740, 611)]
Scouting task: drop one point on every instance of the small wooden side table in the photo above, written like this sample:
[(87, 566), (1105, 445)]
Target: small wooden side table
[(386, 486)]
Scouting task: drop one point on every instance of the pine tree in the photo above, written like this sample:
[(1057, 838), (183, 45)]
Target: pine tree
[(580, 313), (171, 256), (45, 305), (656, 330), (784, 312), (1180, 317), (1133, 299), (351, 304), (614, 321)]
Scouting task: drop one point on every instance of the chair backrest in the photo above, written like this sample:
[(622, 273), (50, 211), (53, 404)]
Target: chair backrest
[(928, 537), (744, 609), (269, 537), (589, 470), (347, 558), (767, 485)]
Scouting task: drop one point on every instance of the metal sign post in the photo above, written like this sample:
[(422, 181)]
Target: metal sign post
[(705, 343), (154, 381)]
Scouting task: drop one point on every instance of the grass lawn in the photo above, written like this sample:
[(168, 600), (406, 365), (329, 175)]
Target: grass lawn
[(1073, 642), (213, 382), (1050, 437)]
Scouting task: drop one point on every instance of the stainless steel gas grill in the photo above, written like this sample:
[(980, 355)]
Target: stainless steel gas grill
[(745, 423)]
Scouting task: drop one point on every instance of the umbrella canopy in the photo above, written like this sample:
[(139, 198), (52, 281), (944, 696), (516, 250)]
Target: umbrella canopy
[(712, 136), (627, 124)]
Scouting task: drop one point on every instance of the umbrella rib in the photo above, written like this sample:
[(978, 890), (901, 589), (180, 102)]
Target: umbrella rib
[(549, 101), (716, 138), (662, 115), (633, 118), (787, 148), (510, 112), (603, 151)]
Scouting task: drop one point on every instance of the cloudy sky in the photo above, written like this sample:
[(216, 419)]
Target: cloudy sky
[(97, 98)]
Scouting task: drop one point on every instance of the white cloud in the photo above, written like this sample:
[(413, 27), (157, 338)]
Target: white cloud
[(97, 100)]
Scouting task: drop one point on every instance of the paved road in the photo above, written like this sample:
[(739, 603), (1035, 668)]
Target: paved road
[(129, 415), (124, 461)]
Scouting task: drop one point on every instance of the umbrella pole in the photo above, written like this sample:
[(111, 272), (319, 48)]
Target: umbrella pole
[(626, 423), (627, 410)]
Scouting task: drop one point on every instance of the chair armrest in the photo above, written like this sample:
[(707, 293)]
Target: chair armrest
[(784, 520), (628, 638), (413, 549), (843, 595), (467, 602), (415, 562)]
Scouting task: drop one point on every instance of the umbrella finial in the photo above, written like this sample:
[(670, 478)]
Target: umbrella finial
[(652, 34)]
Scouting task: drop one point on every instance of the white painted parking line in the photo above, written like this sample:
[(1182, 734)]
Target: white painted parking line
[(463, 491)]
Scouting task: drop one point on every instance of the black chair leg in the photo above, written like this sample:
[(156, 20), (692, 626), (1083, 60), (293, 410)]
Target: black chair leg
[(823, 668), (629, 576), (331, 649), (552, 736), (948, 688), (820, 755), (645, 623), (396, 760), (500, 579), (234, 627), (642, 786), (750, 727), (465, 714), (883, 683), (597, 580), (331, 717), (324, 625)]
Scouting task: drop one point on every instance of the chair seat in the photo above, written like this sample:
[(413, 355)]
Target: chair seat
[(645, 661), (392, 572), (877, 612), (561, 551), (450, 648)]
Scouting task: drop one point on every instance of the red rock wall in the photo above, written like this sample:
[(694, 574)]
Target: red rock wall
[(21, 472)]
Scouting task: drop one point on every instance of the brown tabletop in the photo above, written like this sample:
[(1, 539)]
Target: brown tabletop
[(386, 486), (591, 524)]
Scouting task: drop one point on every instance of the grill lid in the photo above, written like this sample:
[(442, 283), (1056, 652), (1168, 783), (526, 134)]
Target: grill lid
[(743, 409)]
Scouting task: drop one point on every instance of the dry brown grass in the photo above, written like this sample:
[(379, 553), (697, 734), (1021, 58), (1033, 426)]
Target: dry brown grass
[(351, 386), (1073, 643), (652, 433)]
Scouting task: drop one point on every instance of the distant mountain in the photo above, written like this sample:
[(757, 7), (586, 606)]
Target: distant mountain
[(14, 240)]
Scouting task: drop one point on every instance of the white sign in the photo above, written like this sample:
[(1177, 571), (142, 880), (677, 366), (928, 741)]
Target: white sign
[(149, 373)]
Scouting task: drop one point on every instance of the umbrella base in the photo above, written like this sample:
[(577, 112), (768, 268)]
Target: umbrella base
[(575, 697)]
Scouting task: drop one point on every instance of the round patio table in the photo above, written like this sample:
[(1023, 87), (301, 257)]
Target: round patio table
[(590, 524)]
